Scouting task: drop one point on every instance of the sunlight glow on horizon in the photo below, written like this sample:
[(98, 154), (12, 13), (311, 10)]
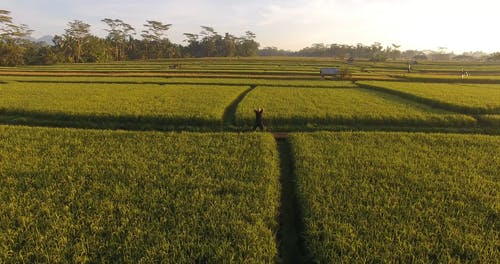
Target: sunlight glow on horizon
[(460, 26)]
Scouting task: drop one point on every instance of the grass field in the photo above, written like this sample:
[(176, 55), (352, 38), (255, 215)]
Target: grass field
[(465, 98), (399, 197), (272, 68), (178, 81), (485, 78), (312, 106), (98, 196), (128, 103), (92, 196), (492, 120), (200, 104)]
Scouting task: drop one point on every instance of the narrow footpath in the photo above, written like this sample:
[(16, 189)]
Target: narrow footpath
[(229, 116), (291, 244)]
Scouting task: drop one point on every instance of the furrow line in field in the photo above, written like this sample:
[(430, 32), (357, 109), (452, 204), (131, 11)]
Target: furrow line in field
[(290, 235), (229, 116)]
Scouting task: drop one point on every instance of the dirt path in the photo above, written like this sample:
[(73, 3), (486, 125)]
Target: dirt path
[(229, 115), (291, 244)]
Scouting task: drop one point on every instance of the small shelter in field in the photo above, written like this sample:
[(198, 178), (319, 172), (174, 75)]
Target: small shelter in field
[(329, 72)]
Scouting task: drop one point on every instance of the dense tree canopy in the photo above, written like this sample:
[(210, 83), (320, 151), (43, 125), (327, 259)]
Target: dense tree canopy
[(210, 44), (79, 45), (12, 40), (119, 33)]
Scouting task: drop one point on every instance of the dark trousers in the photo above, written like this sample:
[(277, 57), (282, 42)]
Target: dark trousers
[(258, 125)]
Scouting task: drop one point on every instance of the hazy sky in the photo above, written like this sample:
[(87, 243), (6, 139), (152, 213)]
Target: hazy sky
[(458, 25)]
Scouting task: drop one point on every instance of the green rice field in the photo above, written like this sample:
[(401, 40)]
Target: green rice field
[(492, 120), (102, 196), (217, 81), (398, 197), (303, 106), (160, 104), (142, 162), (465, 98)]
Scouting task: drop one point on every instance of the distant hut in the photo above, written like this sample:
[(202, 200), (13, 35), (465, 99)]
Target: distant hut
[(334, 72)]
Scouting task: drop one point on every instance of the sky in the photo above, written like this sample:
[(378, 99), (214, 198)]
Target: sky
[(458, 25)]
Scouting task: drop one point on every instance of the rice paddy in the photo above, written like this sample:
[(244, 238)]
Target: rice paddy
[(142, 162)]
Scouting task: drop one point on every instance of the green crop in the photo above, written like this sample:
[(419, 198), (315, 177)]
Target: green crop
[(269, 68), (179, 81), (166, 104), (302, 106), (492, 120), (71, 196), (466, 98), (399, 197), (452, 78), (100, 197)]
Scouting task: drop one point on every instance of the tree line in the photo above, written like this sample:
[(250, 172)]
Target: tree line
[(376, 52), (79, 45)]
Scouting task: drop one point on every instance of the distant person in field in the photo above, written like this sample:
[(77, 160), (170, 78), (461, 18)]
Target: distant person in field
[(409, 67), (464, 73), (258, 119)]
